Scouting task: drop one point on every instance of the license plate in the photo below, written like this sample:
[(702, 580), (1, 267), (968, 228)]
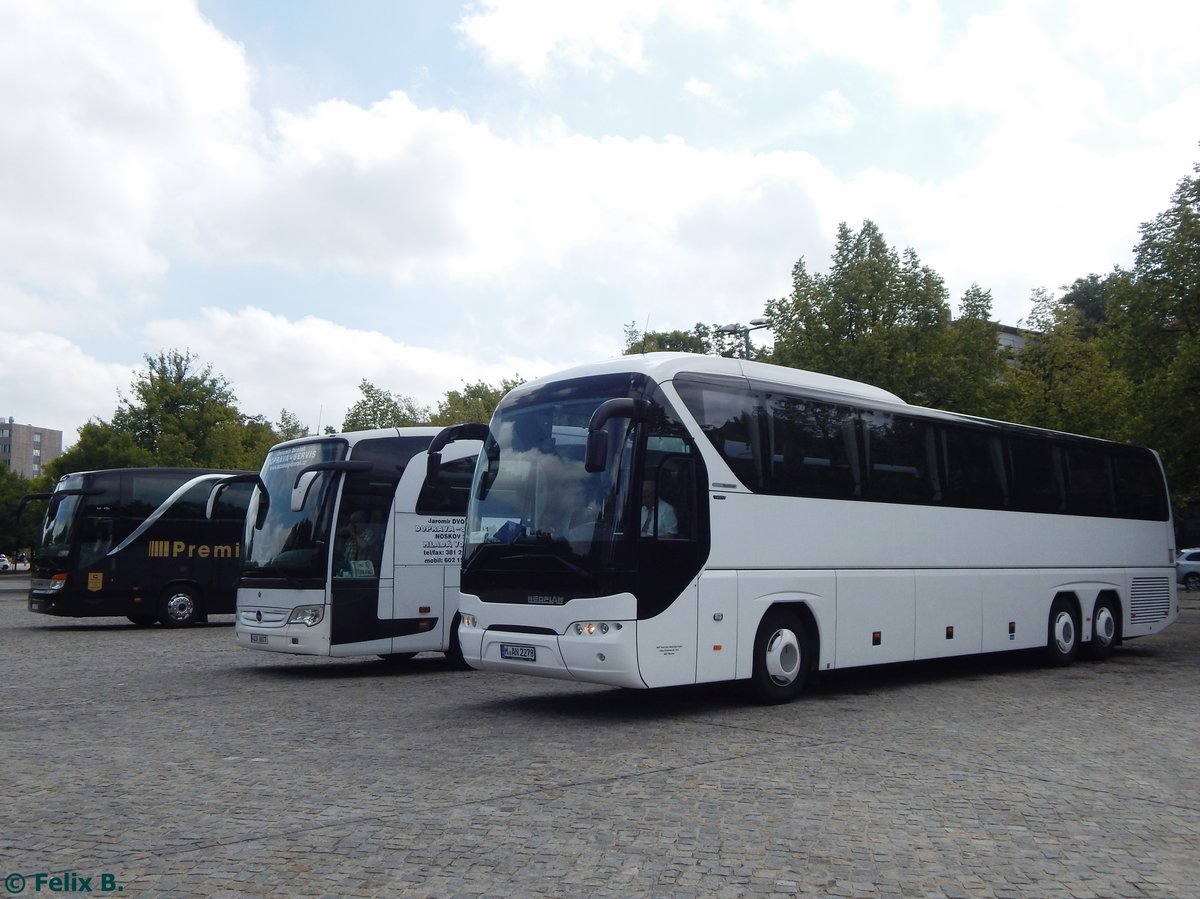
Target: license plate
[(258, 638), (516, 651)]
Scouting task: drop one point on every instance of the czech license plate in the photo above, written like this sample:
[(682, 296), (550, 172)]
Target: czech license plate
[(258, 638), (517, 651)]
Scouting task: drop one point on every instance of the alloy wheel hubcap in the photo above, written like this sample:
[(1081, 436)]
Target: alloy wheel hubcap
[(1064, 632), (783, 657)]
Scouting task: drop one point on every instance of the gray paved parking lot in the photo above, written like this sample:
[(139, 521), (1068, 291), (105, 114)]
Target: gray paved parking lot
[(151, 762)]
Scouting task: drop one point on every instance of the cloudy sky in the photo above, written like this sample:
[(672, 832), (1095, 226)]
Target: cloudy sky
[(306, 193)]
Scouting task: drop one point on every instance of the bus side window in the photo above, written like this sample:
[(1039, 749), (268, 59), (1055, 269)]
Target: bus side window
[(1036, 475), (362, 521)]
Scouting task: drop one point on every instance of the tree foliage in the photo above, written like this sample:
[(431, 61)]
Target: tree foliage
[(17, 534), (1063, 379), (289, 427), (697, 340), (474, 403), (1153, 316), (179, 413), (884, 318), (380, 408)]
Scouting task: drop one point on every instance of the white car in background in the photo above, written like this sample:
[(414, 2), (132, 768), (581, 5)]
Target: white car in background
[(5, 565), (1187, 569)]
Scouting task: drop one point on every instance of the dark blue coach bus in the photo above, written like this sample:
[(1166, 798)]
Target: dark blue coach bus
[(136, 542)]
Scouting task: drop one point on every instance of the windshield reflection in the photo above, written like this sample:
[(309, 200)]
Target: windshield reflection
[(292, 543), (533, 490)]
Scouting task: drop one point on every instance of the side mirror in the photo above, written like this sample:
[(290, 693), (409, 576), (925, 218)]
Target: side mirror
[(472, 431), (596, 451), (264, 498)]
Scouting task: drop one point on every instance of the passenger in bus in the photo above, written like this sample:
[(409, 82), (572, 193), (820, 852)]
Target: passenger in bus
[(360, 539), (658, 516)]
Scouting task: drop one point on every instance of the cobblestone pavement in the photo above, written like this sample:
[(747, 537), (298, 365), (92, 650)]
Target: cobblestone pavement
[(175, 762)]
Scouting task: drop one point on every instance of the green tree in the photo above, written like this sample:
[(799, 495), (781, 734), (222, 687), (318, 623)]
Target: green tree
[(973, 362), (884, 318), (475, 402), (1153, 316), (701, 339), (179, 413), (289, 427), (100, 445), (185, 414), (379, 408), (1064, 380), (17, 535), (1090, 296)]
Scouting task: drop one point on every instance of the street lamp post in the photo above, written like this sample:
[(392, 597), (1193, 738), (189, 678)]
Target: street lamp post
[(744, 330)]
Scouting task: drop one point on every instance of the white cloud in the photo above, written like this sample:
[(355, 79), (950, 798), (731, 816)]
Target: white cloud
[(107, 114), (516, 245), (312, 366), (529, 35), (50, 382)]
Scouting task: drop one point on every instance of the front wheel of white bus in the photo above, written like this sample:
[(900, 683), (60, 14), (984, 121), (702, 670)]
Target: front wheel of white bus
[(780, 657)]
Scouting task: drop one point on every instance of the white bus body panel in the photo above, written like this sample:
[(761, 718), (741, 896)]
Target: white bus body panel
[(428, 552), (666, 643), (717, 626)]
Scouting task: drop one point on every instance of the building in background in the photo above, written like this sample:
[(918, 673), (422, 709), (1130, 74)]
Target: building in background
[(26, 449)]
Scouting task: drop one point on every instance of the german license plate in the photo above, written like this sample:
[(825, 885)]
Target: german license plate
[(258, 638), (517, 651)]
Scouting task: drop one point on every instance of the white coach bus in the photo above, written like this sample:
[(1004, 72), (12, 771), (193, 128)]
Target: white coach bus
[(673, 519), (353, 541)]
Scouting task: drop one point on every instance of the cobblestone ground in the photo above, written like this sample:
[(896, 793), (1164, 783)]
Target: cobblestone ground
[(175, 762)]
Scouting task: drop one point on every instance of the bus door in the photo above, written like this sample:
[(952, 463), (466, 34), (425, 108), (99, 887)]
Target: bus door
[(361, 566), (429, 520), (671, 525)]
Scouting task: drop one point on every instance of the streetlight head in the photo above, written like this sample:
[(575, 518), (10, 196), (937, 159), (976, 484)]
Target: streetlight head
[(729, 329), (758, 322)]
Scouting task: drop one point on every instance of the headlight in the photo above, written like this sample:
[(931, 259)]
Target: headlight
[(595, 628), (468, 620), (307, 615)]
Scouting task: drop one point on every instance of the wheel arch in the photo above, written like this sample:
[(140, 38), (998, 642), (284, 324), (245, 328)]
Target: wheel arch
[(806, 607)]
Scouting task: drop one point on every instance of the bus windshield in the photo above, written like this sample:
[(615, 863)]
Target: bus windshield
[(292, 544), (59, 524), (531, 489)]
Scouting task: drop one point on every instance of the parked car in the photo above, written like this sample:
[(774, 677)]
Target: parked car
[(5, 565), (1187, 568)]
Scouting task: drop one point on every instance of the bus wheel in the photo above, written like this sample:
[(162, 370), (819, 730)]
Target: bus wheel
[(454, 653), (179, 608), (1104, 629), (142, 620), (1062, 640), (779, 662)]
